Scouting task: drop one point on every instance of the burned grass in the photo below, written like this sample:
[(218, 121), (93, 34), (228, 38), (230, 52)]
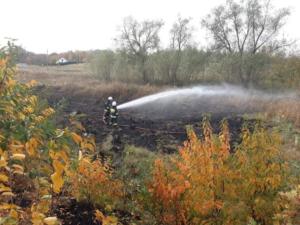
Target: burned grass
[(140, 128), (158, 126)]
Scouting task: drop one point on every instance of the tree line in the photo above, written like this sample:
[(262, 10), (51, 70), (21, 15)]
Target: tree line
[(247, 48), (24, 56)]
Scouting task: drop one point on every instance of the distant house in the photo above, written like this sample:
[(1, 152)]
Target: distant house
[(62, 61)]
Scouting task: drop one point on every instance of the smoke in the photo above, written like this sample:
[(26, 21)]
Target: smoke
[(223, 100)]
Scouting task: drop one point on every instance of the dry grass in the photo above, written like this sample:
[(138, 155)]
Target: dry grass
[(286, 114), (77, 80), (285, 109), (55, 75), (97, 90)]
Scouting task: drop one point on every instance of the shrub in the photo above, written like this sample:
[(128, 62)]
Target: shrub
[(206, 184), (93, 182), (35, 156), (134, 171), (33, 151)]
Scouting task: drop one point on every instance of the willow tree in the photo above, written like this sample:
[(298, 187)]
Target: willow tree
[(245, 29), (139, 39), (181, 35)]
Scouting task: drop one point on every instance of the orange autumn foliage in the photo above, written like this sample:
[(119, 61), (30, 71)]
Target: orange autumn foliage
[(93, 181), (198, 171), (206, 184)]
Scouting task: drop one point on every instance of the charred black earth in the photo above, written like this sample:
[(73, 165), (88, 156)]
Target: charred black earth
[(157, 126)]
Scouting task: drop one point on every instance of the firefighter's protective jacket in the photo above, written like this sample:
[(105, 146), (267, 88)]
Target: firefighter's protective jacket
[(113, 115), (107, 106)]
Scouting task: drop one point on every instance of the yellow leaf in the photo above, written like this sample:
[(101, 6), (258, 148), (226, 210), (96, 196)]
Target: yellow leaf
[(43, 206), (77, 139), (31, 146), (18, 172), (5, 189), (88, 146), (63, 155), (16, 146), (106, 220), (21, 116), (110, 220), (58, 166), (47, 197), (99, 215), (3, 163), (14, 214), (6, 206), (52, 154), (39, 119), (37, 218), (33, 100), (28, 110), (57, 181), (18, 167), (48, 112), (3, 178), (11, 83), (43, 182), (51, 220), (8, 193), (18, 156)]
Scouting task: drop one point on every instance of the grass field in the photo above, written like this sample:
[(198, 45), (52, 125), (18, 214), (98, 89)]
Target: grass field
[(55, 75)]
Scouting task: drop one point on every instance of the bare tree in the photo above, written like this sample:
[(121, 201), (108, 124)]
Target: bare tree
[(247, 27), (181, 34), (139, 39)]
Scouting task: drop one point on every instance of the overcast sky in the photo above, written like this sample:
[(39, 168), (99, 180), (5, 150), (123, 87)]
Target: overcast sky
[(62, 25)]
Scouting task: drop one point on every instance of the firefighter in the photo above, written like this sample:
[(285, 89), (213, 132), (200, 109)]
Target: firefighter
[(113, 114), (107, 107)]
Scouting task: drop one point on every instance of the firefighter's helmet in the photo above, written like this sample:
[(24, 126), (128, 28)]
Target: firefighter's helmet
[(110, 98), (114, 103)]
